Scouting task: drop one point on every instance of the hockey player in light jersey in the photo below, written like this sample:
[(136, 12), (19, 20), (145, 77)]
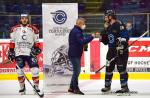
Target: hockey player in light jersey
[(24, 46)]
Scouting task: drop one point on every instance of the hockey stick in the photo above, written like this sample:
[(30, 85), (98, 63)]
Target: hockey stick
[(123, 51), (40, 95)]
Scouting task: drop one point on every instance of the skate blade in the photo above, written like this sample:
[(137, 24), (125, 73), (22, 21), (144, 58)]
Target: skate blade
[(40, 93), (22, 93), (108, 92), (127, 93), (123, 94), (36, 93)]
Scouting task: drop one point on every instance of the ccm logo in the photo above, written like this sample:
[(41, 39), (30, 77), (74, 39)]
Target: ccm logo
[(140, 49)]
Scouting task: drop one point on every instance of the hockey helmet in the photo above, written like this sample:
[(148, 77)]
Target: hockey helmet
[(24, 15), (110, 13)]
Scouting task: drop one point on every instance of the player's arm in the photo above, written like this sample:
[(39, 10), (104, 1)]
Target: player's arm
[(103, 37), (11, 52), (122, 40), (36, 47), (124, 34)]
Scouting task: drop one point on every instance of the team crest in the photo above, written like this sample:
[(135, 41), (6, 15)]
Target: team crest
[(23, 31)]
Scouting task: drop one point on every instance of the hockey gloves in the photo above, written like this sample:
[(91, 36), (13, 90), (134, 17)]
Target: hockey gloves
[(107, 63), (104, 39), (11, 54), (120, 45), (35, 51)]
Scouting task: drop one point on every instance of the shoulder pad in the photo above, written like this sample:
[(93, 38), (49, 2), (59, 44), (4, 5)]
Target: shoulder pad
[(13, 29), (35, 30)]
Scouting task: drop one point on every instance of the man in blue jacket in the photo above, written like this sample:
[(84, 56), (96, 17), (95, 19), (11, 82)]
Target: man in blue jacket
[(76, 43)]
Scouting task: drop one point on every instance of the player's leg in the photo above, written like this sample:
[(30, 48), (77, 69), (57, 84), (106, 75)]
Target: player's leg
[(108, 77), (109, 71), (121, 66), (21, 63), (33, 64)]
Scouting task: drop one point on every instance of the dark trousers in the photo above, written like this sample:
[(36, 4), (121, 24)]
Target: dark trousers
[(76, 71), (121, 63)]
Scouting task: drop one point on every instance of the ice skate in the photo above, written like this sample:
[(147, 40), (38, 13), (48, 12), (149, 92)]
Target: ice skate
[(22, 91), (123, 91), (37, 89), (106, 90)]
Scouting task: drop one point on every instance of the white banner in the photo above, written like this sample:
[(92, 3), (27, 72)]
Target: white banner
[(58, 20)]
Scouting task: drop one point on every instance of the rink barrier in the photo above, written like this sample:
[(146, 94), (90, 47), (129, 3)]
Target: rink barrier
[(92, 60), (15, 76), (132, 76), (116, 76)]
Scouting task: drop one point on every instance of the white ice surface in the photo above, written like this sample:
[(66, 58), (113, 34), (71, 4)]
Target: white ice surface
[(92, 89)]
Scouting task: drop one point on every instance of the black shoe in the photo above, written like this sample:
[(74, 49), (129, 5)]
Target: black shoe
[(77, 91), (23, 90), (123, 90), (106, 89), (70, 90)]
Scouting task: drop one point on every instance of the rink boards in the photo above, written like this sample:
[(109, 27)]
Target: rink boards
[(92, 60)]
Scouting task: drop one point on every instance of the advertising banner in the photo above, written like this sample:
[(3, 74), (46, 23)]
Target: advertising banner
[(58, 20)]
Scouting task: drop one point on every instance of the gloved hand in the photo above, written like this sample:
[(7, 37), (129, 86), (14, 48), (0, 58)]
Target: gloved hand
[(107, 63), (11, 54), (35, 51), (120, 40), (103, 38), (120, 49), (120, 45)]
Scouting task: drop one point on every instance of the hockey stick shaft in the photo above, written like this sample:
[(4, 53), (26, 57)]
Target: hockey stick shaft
[(40, 95), (9, 61), (124, 50), (138, 39), (100, 69)]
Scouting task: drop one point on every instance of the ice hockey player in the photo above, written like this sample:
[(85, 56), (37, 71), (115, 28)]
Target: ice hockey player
[(23, 48), (117, 39)]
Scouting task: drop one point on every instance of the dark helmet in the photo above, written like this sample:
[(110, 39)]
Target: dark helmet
[(110, 13)]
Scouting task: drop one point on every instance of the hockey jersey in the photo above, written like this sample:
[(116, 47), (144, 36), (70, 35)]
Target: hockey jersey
[(23, 38), (114, 31)]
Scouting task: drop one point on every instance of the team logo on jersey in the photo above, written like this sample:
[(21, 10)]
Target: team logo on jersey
[(24, 37), (111, 38), (59, 17), (23, 31)]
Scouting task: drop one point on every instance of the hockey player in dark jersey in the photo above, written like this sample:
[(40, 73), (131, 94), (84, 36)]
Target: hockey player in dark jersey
[(117, 39)]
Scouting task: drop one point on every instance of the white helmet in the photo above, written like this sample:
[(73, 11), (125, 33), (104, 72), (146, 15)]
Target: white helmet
[(24, 15)]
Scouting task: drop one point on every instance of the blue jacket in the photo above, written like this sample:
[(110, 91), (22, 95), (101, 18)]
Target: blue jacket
[(77, 41)]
